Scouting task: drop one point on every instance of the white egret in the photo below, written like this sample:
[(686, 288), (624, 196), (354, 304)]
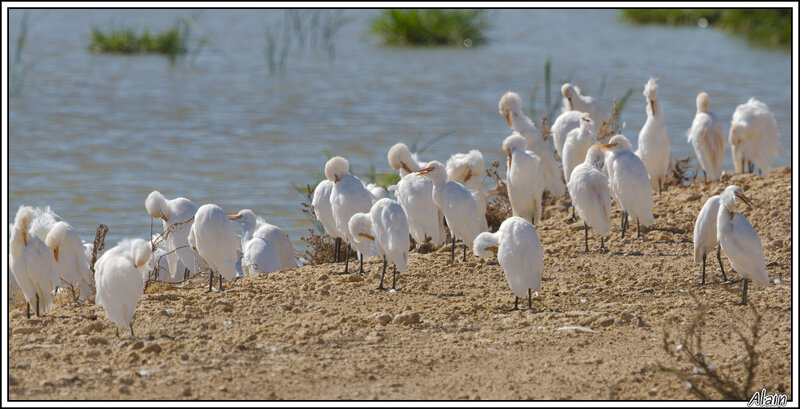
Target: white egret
[(176, 215), (510, 106), (43, 221), (591, 197), (573, 100), (213, 237), (70, 258), (654, 145), (459, 205), (119, 280), (385, 224), (630, 184), (565, 122), (253, 226), (739, 240), (31, 263), (523, 177), (705, 235), (415, 194), (376, 191), (577, 144), (321, 202), (260, 257), (754, 137), (348, 197), (519, 253), (708, 139), (467, 169)]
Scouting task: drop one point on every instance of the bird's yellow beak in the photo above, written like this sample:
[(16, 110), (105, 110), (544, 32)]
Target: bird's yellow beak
[(608, 145), (25, 238), (55, 253), (335, 178), (570, 103), (469, 175), (508, 119), (424, 171), (234, 216), (493, 249), (652, 106), (745, 200), (405, 167), (366, 236)]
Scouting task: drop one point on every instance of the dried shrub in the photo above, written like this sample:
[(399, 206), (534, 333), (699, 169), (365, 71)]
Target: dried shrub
[(705, 380), (320, 248), (609, 127), (498, 207), (682, 173)]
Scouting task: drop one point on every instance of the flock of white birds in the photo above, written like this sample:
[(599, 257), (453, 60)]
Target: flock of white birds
[(46, 253)]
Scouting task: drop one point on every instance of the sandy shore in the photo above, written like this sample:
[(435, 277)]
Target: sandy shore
[(309, 334)]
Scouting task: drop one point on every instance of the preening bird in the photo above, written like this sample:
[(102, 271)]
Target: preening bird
[(259, 257), (705, 235), (510, 106), (519, 253), (43, 221), (214, 238), (754, 137), (348, 197), (467, 169), (577, 144), (415, 194), (573, 100), (458, 204), (321, 202), (70, 257), (376, 191), (654, 145), (523, 177), (31, 263), (176, 215), (119, 280), (590, 194), (387, 226), (253, 226), (630, 184), (739, 240), (708, 139), (565, 122)]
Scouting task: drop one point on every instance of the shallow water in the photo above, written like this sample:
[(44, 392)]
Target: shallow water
[(92, 135)]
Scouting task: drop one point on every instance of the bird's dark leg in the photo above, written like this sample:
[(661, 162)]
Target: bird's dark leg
[(573, 214), (638, 234), (336, 251), (453, 250), (724, 277), (117, 332), (585, 237), (744, 293), (28, 310), (346, 261), (220, 282), (703, 281), (380, 286), (185, 274), (624, 223), (394, 276), (210, 279), (750, 166), (465, 253), (602, 245), (659, 186), (37, 305), (705, 176), (134, 336), (530, 301), (516, 304), (361, 267)]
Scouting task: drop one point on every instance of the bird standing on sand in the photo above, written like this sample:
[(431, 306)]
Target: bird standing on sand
[(348, 197), (458, 204), (119, 280), (253, 226), (739, 240), (708, 139), (467, 169), (214, 238), (523, 177), (705, 235), (629, 183), (754, 137), (31, 263), (519, 253), (321, 202), (176, 215), (415, 194), (387, 226), (510, 107), (654, 143), (590, 194)]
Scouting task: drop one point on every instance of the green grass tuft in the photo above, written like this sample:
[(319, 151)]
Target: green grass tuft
[(431, 27), (771, 27), (171, 42)]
